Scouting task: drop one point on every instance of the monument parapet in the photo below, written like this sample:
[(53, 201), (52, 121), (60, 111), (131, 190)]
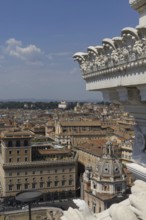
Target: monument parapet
[(117, 68)]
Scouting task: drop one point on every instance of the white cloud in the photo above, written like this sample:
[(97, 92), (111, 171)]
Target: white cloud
[(30, 54)]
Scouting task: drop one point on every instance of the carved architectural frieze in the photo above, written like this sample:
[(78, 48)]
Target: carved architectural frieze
[(115, 55)]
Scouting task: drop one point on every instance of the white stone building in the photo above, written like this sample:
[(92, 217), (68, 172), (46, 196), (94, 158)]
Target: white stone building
[(63, 105)]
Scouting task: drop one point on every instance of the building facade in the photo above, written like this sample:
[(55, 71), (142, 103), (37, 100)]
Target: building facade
[(27, 167), (76, 132), (102, 186)]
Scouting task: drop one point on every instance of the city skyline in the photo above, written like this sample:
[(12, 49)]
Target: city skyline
[(37, 41)]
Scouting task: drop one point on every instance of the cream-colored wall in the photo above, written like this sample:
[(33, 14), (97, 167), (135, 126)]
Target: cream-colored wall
[(87, 159), (11, 152), (90, 200), (14, 155), (48, 174)]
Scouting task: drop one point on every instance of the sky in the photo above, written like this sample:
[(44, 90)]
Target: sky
[(39, 37)]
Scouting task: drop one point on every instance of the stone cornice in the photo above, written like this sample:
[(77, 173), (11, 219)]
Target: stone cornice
[(115, 55), (116, 69)]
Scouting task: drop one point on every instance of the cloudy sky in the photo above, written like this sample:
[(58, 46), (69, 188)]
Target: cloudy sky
[(39, 37)]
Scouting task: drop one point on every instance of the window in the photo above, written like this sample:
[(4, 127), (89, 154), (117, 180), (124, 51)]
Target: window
[(118, 188), (25, 173), (70, 182), (105, 187), (18, 159), (18, 151), (74, 128), (26, 159), (33, 172), (17, 143), (25, 143), (56, 183), (10, 152), (26, 186), (33, 185), (55, 170), (18, 173), (10, 144), (26, 179), (48, 184), (10, 187), (41, 171), (18, 186), (41, 185), (94, 207), (10, 160), (63, 182), (25, 151), (10, 174)]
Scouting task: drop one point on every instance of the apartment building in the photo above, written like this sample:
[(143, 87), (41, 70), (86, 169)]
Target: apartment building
[(76, 132), (24, 166)]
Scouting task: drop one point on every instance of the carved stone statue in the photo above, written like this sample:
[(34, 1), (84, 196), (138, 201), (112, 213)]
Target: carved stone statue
[(139, 154), (135, 209), (83, 213)]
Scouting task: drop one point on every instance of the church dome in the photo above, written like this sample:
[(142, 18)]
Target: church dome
[(109, 167)]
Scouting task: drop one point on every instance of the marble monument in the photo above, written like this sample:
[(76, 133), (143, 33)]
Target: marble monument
[(117, 68)]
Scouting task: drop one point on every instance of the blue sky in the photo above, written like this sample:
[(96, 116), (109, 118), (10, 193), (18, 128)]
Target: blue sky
[(39, 37)]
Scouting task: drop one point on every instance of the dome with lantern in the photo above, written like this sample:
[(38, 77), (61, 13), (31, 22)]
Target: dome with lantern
[(109, 167)]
